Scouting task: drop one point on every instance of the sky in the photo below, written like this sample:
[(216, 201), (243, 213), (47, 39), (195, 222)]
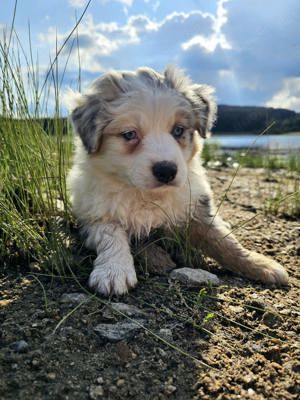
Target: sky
[(249, 50)]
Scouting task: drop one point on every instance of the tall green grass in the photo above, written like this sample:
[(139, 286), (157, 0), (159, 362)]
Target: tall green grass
[(34, 161)]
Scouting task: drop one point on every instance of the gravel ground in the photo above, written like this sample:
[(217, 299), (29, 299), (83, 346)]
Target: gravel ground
[(239, 340)]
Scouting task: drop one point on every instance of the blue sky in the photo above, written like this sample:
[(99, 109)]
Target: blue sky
[(248, 49)]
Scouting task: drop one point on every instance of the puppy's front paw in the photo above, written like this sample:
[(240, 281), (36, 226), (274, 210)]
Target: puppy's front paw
[(112, 278), (268, 270)]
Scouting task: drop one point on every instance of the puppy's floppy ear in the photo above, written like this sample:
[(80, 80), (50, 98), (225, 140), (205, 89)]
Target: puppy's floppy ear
[(88, 121), (204, 107), (200, 97), (90, 113)]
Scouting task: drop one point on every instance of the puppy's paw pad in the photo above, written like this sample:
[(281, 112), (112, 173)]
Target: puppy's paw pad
[(108, 280)]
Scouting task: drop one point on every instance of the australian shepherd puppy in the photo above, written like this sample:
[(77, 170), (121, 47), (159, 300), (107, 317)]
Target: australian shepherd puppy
[(137, 167)]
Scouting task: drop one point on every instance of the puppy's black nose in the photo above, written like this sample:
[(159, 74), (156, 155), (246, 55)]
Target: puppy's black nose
[(164, 171)]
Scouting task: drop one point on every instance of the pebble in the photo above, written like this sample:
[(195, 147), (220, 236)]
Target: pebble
[(34, 267), (127, 309), (251, 392), (35, 362), (96, 392), (256, 348), (73, 298), (21, 346), (165, 333), (236, 309), (123, 352), (162, 352), (249, 378), (194, 277), (120, 382), (51, 376), (271, 320), (118, 331), (169, 389)]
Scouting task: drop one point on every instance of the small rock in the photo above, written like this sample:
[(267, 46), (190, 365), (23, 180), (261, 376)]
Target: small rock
[(34, 267), (100, 380), (256, 348), (120, 382), (35, 362), (169, 389), (251, 392), (156, 260), (193, 277), (166, 334), (295, 313), (236, 309), (249, 378), (271, 319), (51, 376), (96, 392), (73, 298), (21, 346), (123, 352), (113, 389), (118, 331), (131, 311), (162, 352)]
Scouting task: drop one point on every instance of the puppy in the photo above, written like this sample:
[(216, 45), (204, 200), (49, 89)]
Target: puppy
[(137, 167)]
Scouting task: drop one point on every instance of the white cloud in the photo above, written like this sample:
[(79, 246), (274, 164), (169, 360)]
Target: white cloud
[(127, 3), (216, 37), (288, 96), (113, 45), (77, 3)]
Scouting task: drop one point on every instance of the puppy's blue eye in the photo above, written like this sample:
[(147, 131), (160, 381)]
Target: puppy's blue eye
[(177, 131), (129, 135)]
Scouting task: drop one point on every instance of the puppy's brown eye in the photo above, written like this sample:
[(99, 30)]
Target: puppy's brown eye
[(129, 135), (177, 131)]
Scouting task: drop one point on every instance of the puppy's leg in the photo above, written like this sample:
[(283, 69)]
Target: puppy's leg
[(113, 271), (213, 236)]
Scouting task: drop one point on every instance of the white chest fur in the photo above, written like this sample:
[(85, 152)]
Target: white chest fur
[(99, 197)]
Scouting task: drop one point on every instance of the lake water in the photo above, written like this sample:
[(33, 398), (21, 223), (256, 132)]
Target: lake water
[(273, 142)]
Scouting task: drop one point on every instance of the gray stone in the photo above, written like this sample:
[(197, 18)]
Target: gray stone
[(166, 334), (114, 309), (21, 346), (169, 389), (73, 298), (194, 277), (118, 331), (96, 392)]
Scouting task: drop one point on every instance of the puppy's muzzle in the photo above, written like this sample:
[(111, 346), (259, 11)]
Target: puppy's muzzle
[(164, 171)]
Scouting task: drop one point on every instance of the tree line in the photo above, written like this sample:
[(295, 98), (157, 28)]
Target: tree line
[(230, 120), (245, 119)]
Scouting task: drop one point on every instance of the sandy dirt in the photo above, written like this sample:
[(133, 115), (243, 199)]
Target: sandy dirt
[(246, 333)]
